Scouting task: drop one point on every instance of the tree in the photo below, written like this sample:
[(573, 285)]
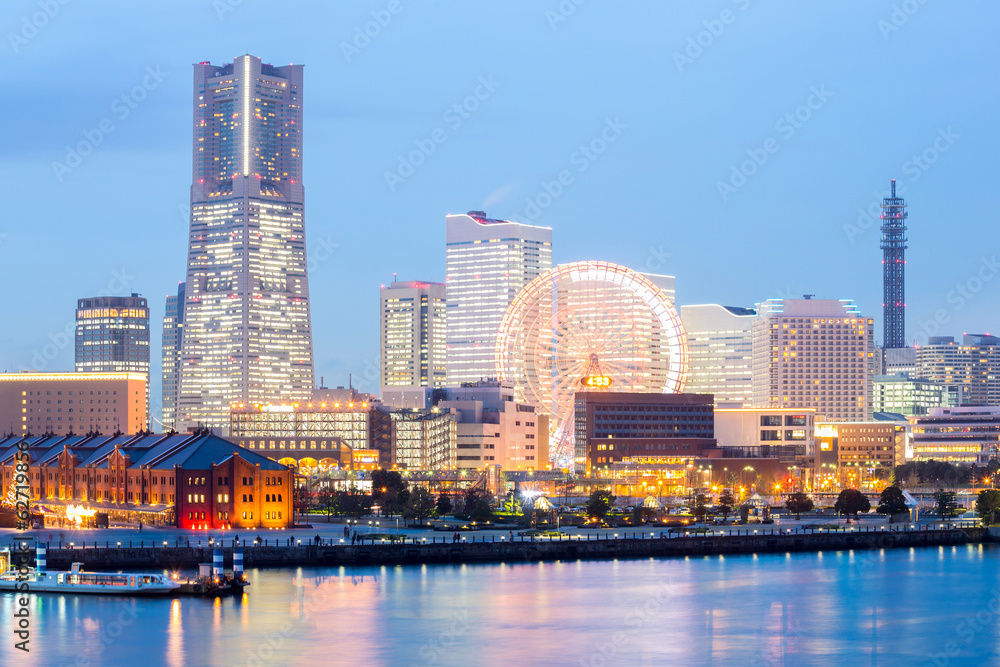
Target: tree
[(600, 502), (353, 503), (700, 507), (387, 485), (892, 502), (326, 500), (798, 502), (443, 505), (852, 501), (726, 503), (419, 505), (481, 511), (988, 506), (946, 503)]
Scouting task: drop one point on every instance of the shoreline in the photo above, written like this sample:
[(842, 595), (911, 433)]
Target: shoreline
[(486, 551)]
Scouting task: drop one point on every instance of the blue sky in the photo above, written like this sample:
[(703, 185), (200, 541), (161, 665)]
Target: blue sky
[(731, 144)]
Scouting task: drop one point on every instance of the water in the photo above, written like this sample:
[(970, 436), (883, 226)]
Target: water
[(896, 607)]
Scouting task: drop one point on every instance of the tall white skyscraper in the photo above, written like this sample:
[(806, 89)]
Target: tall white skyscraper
[(412, 334), (720, 353), (173, 326), (487, 262), (247, 333), (813, 353)]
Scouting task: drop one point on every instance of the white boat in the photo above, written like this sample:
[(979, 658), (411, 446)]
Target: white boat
[(76, 580)]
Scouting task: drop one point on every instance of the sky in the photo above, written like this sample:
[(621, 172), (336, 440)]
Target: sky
[(734, 144)]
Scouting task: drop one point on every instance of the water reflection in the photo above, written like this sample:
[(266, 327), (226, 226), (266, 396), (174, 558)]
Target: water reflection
[(783, 609)]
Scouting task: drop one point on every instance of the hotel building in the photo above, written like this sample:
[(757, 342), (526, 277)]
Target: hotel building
[(815, 354), (487, 262), (720, 353), (173, 327), (247, 332), (65, 403), (194, 481), (412, 334)]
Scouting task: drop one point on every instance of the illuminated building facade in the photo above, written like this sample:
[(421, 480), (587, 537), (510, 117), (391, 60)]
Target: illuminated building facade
[(970, 369), (616, 427), (487, 262), (62, 403), (815, 354), (786, 433), (864, 448), (173, 327), (412, 334), (907, 396), (720, 352), (194, 481), (959, 435), (247, 332), (424, 439), (112, 336)]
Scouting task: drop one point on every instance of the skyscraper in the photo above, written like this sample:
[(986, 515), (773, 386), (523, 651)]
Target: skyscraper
[(412, 334), (112, 336), (173, 326), (247, 332), (970, 370), (720, 353), (893, 270), (487, 262), (813, 353)]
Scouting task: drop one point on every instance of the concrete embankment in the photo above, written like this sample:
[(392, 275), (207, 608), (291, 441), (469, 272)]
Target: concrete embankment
[(102, 558)]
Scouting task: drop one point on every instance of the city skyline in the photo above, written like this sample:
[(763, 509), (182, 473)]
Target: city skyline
[(151, 140)]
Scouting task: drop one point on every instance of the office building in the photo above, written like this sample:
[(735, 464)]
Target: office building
[(905, 396), (487, 262), (112, 336), (720, 352), (247, 332), (815, 354), (959, 435), (619, 427), (412, 334), (971, 369), (785, 433), (192, 481), (66, 403), (173, 327)]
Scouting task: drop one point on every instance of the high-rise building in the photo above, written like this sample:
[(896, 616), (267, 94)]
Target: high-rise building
[(173, 326), (893, 270), (487, 262), (813, 353), (971, 369), (412, 334), (720, 352), (247, 331), (112, 336)]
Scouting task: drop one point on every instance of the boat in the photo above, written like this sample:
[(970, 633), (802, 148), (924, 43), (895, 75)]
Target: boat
[(77, 581)]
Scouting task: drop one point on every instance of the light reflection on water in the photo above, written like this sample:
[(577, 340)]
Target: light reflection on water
[(879, 607)]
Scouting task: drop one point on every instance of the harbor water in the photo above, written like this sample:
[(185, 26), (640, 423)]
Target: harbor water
[(935, 606)]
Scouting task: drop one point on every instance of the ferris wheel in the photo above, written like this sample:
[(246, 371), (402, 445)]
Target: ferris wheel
[(592, 326)]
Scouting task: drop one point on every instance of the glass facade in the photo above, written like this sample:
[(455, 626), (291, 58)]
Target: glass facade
[(487, 262), (247, 332), (720, 352), (173, 323)]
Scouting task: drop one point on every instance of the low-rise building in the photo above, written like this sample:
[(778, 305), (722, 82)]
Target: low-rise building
[(197, 481), (67, 403), (959, 435)]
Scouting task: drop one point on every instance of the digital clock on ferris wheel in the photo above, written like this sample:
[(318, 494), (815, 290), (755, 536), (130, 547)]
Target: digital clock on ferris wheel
[(596, 381)]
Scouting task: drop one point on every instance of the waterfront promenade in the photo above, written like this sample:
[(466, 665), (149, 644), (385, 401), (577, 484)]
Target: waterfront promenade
[(447, 548)]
